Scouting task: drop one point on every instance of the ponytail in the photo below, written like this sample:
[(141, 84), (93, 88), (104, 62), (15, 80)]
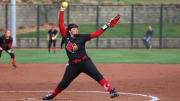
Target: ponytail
[(64, 39)]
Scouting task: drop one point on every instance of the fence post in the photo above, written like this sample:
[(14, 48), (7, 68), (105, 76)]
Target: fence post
[(6, 16), (68, 14), (97, 24), (38, 23), (161, 26), (132, 25)]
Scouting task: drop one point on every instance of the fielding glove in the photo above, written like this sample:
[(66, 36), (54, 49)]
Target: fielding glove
[(10, 51), (114, 20)]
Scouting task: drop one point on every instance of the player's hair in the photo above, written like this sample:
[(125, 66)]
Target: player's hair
[(70, 26)]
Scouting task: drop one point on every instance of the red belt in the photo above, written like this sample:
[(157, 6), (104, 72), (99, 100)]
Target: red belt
[(79, 60)]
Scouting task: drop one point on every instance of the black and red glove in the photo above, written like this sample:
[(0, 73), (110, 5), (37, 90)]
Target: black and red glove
[(114, 20)]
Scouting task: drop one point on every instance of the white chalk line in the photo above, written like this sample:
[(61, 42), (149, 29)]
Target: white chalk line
[(153, 98)]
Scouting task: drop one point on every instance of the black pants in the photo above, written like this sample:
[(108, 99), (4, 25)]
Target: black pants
[(6, 49), (74, 69), (50, 42)]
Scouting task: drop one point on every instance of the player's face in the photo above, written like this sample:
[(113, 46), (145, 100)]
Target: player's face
[(7, 33), (74, 31), (53, 27), (150, 28)]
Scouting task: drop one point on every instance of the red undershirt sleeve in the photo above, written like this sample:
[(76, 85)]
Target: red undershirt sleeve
[(99, 31), (96, 33), (61, 24), (10, 45)]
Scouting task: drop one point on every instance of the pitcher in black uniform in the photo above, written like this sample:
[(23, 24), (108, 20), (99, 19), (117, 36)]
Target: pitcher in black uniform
[(52, 35), (6, 45), (79, 61)]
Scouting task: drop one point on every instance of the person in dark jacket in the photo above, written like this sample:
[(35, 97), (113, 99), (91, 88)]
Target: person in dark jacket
[(148, 37)]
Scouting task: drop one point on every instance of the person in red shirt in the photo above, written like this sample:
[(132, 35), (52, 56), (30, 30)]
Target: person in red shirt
[(79, 61), (6, 45)]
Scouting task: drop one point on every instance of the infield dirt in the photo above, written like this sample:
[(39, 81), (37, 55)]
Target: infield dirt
[(159, 80)]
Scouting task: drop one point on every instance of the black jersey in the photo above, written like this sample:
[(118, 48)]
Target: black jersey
[(149, 33), (6, 42), (75, 47), (52, 33)]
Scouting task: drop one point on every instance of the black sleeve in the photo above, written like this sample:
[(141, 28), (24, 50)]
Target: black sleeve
[(55, 31), (0, 40), (146, 33), (11, 40), (49, 31), (152, 33)]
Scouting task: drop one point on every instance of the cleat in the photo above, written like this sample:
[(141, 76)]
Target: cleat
[(14, 66), (47, 97), (113, 94)]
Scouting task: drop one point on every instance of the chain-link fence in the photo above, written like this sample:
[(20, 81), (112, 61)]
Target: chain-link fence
[(33, 22)]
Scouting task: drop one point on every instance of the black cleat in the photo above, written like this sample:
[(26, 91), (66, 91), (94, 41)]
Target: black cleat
[(47, 97), (14, 66), (113, 94)]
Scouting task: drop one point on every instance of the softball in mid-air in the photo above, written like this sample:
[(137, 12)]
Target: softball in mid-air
[(64, 4)]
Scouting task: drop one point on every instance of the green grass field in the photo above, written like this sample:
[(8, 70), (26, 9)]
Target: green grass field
[(138, 56), (121, 31)]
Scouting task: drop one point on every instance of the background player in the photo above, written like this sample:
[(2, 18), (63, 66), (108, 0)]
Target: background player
[(78, 60), (6, 44), (148, 37), (52, 35)]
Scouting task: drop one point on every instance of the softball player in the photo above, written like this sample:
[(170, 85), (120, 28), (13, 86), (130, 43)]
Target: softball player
[(6, 44), (52, 35), (79, 61)]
